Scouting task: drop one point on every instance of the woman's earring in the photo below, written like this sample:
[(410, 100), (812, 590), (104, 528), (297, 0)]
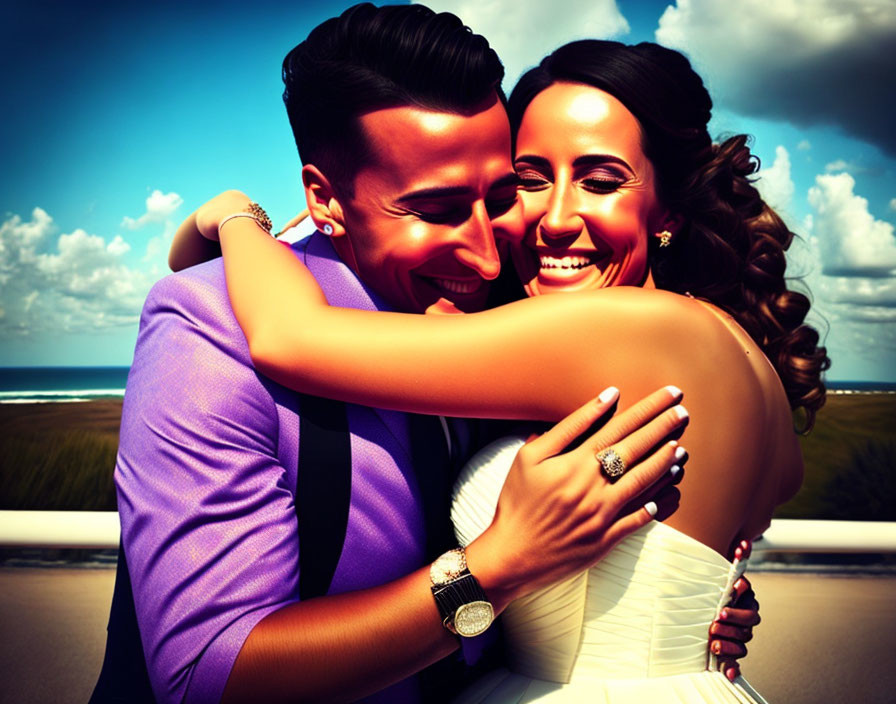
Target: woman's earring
[(328, 229), (665, 238)]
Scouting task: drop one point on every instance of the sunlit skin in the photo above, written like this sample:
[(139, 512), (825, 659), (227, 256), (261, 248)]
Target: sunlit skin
[(422, 222), (588, 191)]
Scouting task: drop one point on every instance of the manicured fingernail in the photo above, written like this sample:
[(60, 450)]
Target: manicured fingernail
[(680, 411), (611, 393), (680, 452), (724, 614), (674, 470), (650, 507), (731, 674), (674, 390), (716, 648)]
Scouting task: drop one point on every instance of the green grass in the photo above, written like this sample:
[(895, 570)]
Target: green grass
[(62, 459), (64, 470), (850, 459)]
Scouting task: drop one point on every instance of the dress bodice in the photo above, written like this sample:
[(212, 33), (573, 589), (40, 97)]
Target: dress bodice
[(642, 613)]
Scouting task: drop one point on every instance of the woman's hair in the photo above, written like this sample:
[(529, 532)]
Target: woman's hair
[(730, 247)]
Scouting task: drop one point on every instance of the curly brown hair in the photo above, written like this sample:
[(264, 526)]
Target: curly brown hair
[(730, 248)]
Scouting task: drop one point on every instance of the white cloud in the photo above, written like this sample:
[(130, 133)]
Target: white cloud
[(807, 61), (878, 296), (851, 241), (775, 183), (852, 167), (893, 204), (76, 282), (159, 207), (524, 33), (804, 145)]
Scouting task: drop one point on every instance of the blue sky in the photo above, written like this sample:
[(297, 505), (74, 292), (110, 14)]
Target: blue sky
[(120, 118)]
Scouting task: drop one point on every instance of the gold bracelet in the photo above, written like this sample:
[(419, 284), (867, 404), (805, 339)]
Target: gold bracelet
[(253, 211)]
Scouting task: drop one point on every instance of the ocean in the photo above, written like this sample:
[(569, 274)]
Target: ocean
[(61, 384), (72, 384)]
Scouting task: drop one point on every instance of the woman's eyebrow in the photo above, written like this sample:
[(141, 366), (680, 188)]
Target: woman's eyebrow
[(598, 160), (537, 161)]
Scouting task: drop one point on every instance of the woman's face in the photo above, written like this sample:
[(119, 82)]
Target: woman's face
[(588, 193)]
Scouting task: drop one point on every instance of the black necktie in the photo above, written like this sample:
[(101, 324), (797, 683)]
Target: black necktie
[(435, 475)]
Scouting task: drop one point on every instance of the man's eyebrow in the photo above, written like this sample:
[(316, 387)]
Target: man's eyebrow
[(507, 180), (435, 192)]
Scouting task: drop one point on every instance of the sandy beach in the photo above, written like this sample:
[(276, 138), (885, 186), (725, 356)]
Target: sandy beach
[(823, 638)]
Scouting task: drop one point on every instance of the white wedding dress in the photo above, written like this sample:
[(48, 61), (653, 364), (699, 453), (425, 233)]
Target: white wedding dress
[(634, 628)]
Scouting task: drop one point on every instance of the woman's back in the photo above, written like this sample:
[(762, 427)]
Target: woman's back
[(744, 455)]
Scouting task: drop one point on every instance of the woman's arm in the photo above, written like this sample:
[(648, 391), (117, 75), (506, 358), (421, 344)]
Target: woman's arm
[(553, 352), (189, 247)]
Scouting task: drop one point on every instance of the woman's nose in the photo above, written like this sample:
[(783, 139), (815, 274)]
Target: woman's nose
[(561, 219)]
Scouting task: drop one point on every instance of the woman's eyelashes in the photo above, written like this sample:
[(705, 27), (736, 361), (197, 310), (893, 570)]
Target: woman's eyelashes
[(602, 184), (532, 180), (595, 184)]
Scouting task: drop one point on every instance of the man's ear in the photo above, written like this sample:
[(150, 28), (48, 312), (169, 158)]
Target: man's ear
[(324, 205)]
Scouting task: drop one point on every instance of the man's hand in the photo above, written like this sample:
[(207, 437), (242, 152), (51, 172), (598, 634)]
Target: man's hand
[(734, 627), (558, 512)]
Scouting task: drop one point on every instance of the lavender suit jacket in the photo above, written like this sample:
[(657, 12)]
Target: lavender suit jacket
[(206, 476)]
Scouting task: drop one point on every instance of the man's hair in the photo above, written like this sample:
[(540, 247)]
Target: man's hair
[(370, 58)]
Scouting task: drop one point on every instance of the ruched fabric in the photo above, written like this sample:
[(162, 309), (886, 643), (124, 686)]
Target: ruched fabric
[(631, 629)]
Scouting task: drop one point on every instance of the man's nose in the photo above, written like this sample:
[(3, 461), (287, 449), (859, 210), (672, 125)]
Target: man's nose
[(561, 218), (478, 250)]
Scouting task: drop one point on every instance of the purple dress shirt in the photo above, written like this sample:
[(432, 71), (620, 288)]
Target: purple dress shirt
[(206, 476)]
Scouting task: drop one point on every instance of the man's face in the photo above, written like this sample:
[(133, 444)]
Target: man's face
[(421, 225)]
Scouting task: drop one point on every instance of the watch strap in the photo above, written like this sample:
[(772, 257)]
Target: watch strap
[(450, 597)]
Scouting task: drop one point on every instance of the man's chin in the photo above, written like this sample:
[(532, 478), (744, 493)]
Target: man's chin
[(441, 302), (443, 307)]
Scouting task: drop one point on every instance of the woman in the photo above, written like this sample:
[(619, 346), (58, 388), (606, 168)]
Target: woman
[(621, 187)]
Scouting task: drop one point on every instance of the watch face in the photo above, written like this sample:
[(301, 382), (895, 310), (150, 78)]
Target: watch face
[(448, 567), (473, 618)]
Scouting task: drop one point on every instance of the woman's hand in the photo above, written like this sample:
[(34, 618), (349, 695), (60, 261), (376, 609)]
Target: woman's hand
[(210, 214), (559, 513), (196, 240)]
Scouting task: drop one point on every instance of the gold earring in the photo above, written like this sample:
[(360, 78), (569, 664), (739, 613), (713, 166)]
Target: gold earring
[(665, 238)]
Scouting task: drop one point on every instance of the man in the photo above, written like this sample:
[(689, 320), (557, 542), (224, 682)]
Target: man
[(398, 117)]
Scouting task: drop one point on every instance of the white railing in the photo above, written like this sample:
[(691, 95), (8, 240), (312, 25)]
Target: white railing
[(793, 535), (59, 529), (100, 529)]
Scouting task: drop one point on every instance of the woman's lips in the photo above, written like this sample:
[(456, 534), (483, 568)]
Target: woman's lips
[(567, 262), (571, 267)]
